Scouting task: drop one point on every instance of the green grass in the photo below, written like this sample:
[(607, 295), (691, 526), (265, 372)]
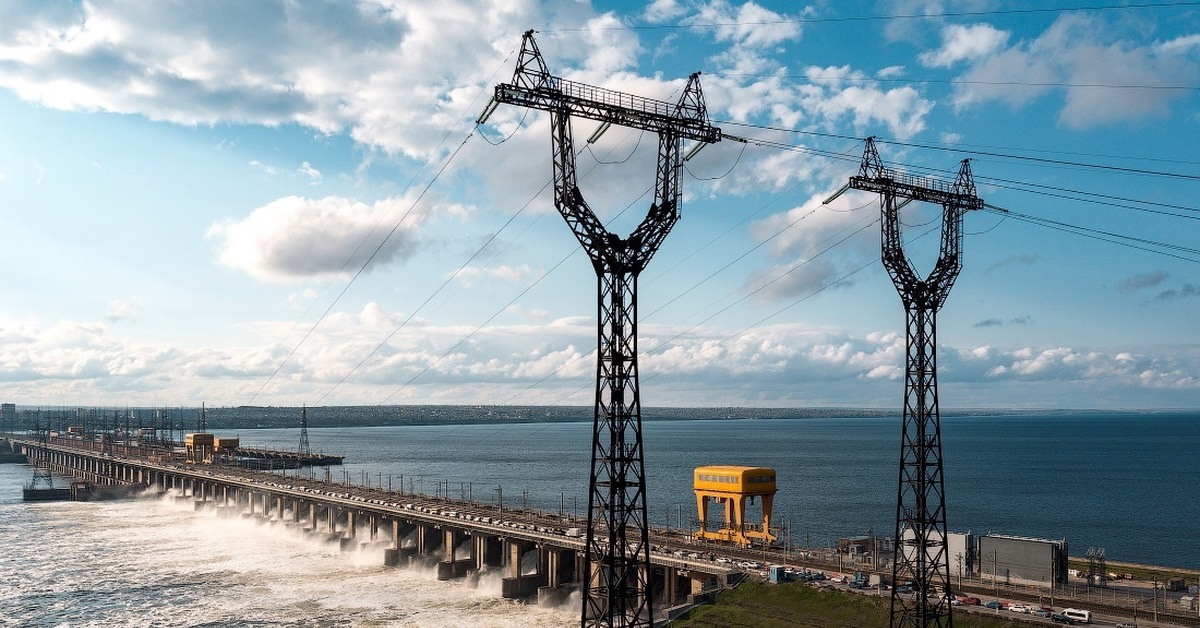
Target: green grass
[(798, 605), (1140, 573)]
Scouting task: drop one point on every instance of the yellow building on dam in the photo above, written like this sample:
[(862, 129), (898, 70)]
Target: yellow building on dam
[(732, 486)]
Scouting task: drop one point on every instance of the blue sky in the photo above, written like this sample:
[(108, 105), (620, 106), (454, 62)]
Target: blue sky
[(289, 203)]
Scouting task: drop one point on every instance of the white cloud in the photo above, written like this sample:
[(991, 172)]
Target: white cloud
[(838, 92), (748, 25), (295, 238), (1098, 73), (307, 170), (258, 165), (663, 11), (469, 274), (965, 43), (378, 69), (119, 311), (1181, 45), (542, 363)]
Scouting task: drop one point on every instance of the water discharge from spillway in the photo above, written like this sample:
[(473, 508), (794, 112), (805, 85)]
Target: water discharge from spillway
[(157, 562)]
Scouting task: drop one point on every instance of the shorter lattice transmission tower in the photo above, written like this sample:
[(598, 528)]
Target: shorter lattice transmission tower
[(919, 551), (616, 589), (1097, 567), (42, 477), (304, 449)]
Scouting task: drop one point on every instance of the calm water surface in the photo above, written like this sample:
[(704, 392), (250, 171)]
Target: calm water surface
[(1128, 483)]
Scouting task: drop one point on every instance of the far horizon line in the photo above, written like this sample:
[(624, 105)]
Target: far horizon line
[(870, 409)]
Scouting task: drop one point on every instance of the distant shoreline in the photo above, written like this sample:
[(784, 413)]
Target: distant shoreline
[(268, 417)]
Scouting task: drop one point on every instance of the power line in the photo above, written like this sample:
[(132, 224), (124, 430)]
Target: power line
[(994, 151), (1141, 244), (1046, 160), (870, 79), (599, 161), (878, 18), (364, 265), (1100, 199)]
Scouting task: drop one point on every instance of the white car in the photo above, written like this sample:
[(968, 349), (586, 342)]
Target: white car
[(1018, 608)]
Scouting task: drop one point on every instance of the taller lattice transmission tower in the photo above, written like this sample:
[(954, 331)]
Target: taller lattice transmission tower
[(617, 588), (919, 554)]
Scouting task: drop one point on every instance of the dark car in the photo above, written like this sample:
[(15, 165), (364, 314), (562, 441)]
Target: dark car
[(1059, 618)]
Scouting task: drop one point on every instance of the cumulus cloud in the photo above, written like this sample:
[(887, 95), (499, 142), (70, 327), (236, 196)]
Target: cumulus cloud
[(307, 170), (1100, 74), (119, 311), (1181, 45), (296, 238), (377, 69), (1186, 291), (840, 92), (663, 10), (1147, 280), (469, 274), (999, 322), (1024, 259), (372, 354), (815, 245), (964, 43), (748, 25)]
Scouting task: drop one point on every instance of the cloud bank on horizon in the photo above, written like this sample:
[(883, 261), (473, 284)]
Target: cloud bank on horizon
[(286, 203)]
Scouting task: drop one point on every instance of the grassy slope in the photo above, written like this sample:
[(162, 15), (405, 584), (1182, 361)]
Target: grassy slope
[(797, 605)]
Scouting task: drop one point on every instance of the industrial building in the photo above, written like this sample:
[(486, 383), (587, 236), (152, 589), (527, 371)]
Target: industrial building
[(1021, 560)]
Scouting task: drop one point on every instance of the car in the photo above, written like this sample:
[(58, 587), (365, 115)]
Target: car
[(1019, 608), (1126, 624), (1059, 618), (1039, 612), (994, 604)]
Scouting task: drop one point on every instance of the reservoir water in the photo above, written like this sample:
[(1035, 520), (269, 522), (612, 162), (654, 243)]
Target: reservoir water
[(1125, 482)]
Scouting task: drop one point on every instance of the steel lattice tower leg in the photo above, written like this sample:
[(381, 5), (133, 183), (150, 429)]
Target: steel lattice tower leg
[(617, 566), (919, 553)]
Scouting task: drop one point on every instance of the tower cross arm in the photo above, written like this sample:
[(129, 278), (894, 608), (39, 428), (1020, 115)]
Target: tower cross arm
[(924, 189), (606, 105)]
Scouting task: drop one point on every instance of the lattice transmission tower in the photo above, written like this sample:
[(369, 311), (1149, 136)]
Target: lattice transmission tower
[(304, 449), (616, 590), (919, 551)]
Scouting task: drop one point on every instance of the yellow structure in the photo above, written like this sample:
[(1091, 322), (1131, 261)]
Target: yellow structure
[(731, 486), (198, 447)]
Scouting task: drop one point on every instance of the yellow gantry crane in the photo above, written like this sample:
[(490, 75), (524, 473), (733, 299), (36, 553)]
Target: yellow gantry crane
[(731, 486)]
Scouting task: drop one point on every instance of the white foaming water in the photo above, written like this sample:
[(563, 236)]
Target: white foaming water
[(157, 563)]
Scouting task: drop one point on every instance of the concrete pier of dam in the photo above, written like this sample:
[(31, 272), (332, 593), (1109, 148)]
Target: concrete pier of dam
[(539, 557)]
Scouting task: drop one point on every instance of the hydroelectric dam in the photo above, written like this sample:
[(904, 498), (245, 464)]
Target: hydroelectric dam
[(539, 555)]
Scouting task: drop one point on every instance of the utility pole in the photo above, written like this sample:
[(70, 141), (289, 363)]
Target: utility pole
[(920, 550), (616, 589)]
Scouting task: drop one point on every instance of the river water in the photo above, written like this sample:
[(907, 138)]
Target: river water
[(1125, 482)]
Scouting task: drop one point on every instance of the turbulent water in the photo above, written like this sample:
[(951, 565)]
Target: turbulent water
[(156, 563), (1124, 482)]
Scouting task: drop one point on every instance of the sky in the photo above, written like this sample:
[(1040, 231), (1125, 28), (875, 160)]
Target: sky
[(286, 203)]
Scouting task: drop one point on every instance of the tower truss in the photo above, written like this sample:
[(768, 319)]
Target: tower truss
[(919, 554), (304, 449), (616, 590)]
